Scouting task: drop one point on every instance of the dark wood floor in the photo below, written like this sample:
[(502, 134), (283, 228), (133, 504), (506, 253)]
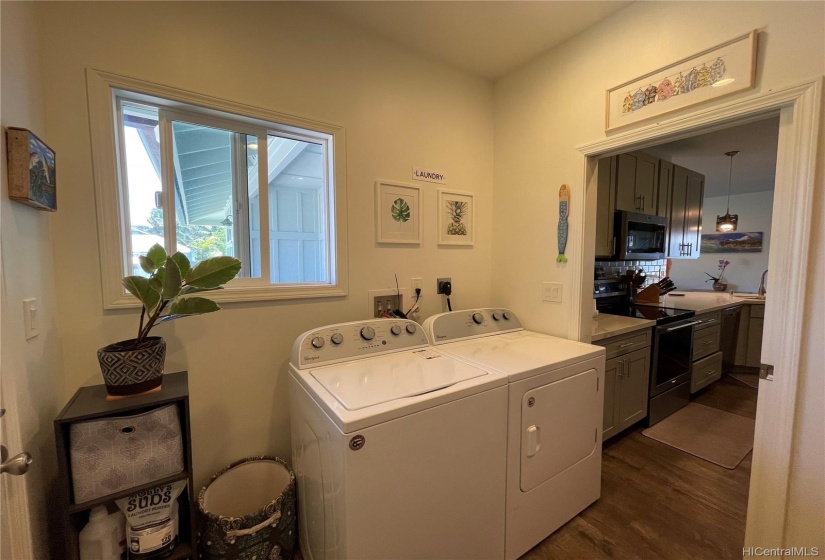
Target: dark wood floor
[(661, 503)]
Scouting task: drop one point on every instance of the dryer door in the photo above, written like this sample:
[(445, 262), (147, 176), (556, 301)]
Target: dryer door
[(559, 426)]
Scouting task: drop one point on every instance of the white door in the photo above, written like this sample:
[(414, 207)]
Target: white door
[(15, 530)]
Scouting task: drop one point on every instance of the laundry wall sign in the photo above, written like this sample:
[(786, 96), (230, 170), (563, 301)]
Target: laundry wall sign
[(429, 175)]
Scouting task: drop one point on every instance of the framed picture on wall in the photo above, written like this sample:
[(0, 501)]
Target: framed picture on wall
[(732, 242), (710, 74), (397, 213), (456, 218), (31, 170)]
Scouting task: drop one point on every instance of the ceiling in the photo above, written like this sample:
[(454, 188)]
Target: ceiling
[(487, 38), (754, 167)]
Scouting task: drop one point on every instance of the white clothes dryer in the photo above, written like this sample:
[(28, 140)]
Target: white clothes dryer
[(398, 449), (555, 402)]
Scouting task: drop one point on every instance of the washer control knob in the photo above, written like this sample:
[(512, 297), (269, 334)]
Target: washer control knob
[(367, 333), (507, 315), (496, 316), (411, 328), (478, 318), (337, 338), (395, 329), (317, 342)]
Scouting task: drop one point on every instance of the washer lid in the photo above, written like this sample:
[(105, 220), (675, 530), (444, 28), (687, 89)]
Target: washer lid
[(364, 383)]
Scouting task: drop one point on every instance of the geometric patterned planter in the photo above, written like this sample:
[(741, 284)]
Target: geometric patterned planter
[(128, 370)]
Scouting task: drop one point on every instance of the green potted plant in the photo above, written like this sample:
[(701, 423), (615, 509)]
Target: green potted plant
[(135, 366)]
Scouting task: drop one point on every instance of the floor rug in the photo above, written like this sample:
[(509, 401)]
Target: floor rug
[(708, 433), (749, 379)]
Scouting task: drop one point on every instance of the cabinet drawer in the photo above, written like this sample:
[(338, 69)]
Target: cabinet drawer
[(757, 310), (619, 345), (708, 320), (706, 341), (705, 371)]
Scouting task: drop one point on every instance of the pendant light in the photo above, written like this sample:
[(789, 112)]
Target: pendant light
[(729, 221)]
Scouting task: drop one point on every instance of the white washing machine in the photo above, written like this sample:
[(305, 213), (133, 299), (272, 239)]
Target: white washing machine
[(554, 420), (399, 450)]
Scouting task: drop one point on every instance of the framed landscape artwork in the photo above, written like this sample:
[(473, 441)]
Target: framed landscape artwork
[(397, 213), (733, 242), (456, 218), (715, 72), (31, 170)]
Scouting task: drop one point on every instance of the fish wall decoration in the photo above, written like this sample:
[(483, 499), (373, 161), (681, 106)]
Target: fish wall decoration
[(564, 211)]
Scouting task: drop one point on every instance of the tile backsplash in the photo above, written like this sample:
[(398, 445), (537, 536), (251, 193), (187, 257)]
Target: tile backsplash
[(655, 270)]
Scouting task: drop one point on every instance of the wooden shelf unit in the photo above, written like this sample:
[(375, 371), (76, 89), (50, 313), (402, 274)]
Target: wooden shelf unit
[(89, 403)]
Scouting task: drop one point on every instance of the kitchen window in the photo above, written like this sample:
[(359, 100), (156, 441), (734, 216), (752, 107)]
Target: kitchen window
[(208, 177)]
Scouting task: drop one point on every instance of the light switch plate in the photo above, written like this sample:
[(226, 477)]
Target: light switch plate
[(551, 292), (30, 319)]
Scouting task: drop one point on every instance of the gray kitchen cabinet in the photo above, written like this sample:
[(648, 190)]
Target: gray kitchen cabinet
[(637, 182), (705, 371), (626, 381), (665, 181), (755, 326), (685, 223), (749, 341), (707, 359), (605, 207), (611, 377)]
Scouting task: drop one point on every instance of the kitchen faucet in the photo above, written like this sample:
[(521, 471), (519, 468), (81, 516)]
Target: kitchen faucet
[(762, 289)]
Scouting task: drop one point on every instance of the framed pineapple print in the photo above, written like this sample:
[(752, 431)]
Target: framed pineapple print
[(456, 218), (397, 213)]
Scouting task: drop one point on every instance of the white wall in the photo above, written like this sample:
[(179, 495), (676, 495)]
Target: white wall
[(546, 109), (30, 369), (745, 269), (399, 110)]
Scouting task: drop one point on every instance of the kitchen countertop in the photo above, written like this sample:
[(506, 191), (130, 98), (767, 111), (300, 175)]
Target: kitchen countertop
[(706, 301), (605, 326)]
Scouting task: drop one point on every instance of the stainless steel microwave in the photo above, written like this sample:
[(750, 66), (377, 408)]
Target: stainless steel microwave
[(640, 236)]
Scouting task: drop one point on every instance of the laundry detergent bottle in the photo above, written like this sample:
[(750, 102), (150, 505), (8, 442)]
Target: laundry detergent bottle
[(99, 539)]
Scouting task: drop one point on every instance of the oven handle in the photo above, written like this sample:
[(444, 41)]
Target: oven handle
[(683, 326)]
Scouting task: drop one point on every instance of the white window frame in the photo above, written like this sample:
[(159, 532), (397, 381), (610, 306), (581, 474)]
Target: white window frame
[(112, 203)]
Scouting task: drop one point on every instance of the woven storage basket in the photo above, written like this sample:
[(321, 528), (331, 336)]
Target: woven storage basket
[(247, 511)]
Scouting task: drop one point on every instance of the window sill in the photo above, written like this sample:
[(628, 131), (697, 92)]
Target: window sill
[(246, 294)]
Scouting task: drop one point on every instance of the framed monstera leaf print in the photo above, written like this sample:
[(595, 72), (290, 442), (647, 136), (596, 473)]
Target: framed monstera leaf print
[(397, 213)]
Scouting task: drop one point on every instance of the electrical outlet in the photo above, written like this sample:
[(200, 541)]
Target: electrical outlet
[(417, 284), (551, 292), (439, 284)]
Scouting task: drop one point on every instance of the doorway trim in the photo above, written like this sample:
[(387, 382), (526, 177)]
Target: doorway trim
[(799, 109)]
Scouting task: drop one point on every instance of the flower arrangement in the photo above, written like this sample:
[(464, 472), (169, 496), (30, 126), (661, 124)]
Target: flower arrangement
[(723, 264)]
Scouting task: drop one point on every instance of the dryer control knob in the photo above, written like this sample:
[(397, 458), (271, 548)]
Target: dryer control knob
[(411, 328), (496, 316), (317, 342), (395, 329), (478, 318), (367, 333), (507, 315), (337, 338)]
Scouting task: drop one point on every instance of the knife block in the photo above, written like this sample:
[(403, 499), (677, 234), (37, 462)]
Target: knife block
[(649, 295)]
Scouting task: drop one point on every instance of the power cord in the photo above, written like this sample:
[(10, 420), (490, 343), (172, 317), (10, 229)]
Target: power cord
[(447, 290), (414, 307)]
